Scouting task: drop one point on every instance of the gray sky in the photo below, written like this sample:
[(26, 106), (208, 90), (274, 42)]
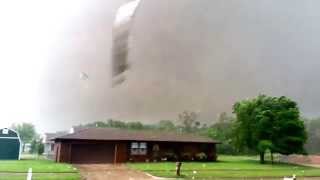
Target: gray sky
[(199, 55)]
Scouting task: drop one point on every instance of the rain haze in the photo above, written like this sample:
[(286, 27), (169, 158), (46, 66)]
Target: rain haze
[(192, 55)]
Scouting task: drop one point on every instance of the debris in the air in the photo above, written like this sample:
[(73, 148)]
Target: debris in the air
[(83, 76), (121, 34)]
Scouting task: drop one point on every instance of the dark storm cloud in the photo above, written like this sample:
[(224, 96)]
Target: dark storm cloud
[(185, 55)]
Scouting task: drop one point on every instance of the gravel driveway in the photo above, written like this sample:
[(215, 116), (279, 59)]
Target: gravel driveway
[(110, 171)]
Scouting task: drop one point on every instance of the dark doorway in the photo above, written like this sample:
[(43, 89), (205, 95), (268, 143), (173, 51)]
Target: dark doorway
[(92, 153)]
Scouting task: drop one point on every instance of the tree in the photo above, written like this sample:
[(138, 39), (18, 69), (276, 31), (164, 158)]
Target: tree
[(26, 131), (135, 125), (269, 123), (188, 120), (166, 125), (37, 147), (33, 146), (40, 148), (116, 123), (222, 131)]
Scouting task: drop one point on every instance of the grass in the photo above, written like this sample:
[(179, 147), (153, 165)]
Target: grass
[(38, 166), (227, 167), (41, 168), (49, 176)]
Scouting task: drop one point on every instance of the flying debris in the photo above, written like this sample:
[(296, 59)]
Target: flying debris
[(120, 45), (83, 76)]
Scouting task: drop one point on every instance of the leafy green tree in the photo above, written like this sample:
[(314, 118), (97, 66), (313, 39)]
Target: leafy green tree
[(222, 131), (269, 123), (40, 148), (188, 121), (166, 125), (116, 123), (37, 147), (104, 124), (26, 131), (135, 125), (100, 124), (33, 146)]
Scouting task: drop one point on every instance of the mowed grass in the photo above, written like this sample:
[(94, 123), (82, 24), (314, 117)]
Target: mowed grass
[(227, 167), (49, 176), (38, 166), (41, 168)]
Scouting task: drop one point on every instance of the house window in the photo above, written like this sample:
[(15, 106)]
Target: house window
[(143, 148), (5, 131), (52, 147), (138, 148)]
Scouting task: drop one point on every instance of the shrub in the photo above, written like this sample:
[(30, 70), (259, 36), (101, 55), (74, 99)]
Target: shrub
[(226, 148), (186, 156), (201, 156), (171, 156)]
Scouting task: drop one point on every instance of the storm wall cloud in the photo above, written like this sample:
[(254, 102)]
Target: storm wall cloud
[(184, 55)]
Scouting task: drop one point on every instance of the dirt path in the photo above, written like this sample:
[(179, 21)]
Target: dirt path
[(109, 171)]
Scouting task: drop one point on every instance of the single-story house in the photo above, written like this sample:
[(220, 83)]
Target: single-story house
[(48, 141), (110, 145), (10, 144)]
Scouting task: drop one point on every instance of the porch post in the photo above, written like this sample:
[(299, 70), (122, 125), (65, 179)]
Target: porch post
[(115, 153)]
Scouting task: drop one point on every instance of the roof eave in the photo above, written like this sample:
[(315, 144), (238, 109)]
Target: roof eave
[(80, 139)]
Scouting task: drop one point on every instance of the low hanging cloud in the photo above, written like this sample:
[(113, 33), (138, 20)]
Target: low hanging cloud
[(184, 55)]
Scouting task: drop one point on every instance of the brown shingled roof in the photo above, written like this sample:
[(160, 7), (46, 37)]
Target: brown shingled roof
[(113, 134)]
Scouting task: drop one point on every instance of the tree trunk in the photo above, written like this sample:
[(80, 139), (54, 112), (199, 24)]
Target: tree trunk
[(262, 157), (271, 157)]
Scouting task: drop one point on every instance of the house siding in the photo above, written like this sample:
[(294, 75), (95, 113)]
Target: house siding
[(64, 152), (122, 151)]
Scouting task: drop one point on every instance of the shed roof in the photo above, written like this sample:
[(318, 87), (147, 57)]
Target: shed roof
[(8, 133), (113, 134)]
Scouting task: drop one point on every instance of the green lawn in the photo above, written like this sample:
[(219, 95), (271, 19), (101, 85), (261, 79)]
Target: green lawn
[(50, 176), (227, 166), (42, 169)]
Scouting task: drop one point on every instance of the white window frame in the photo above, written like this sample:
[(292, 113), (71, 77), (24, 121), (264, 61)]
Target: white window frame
[(138, 148), (143, 148)]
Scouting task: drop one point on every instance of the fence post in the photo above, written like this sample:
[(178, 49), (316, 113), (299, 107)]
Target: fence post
[(29, 176)]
